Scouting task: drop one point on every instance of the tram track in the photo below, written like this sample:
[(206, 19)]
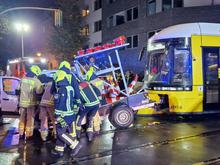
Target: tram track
[(110, 152)]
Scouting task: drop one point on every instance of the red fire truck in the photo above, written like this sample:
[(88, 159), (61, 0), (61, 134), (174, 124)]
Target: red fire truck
[(18, 67)]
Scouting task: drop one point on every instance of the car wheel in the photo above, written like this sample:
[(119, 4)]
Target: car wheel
[(121, 117)]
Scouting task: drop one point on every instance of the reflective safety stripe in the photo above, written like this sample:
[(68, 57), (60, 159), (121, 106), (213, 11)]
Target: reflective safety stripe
[(89, 130), (93, 92), (68, 139), (68, 98), (73, 134), (63, 113), (88, 103), (78, 128), (78, 101), (59, 148), (74, 144), (84, 96), (69, 90), (92, 103), (47, 102), (31, 82)]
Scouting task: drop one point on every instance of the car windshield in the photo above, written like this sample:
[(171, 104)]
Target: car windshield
[(169, 63)]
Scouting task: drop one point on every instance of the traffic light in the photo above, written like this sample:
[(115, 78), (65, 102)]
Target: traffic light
[(58, 17)]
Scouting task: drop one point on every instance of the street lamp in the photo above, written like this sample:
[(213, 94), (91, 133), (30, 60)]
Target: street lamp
[(22, 28)]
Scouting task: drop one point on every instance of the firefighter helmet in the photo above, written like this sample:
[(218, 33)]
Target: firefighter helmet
[(36, 70), (65, 64)]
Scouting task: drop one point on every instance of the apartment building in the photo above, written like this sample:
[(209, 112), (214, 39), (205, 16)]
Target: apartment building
[(140, 19), (92, 21)]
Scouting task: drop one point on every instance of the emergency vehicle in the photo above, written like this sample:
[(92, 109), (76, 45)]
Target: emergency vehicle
[(18, 67), (183, 69), (8, 97)]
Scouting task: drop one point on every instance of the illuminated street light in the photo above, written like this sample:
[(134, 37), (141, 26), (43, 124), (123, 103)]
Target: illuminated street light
[(21, 28)]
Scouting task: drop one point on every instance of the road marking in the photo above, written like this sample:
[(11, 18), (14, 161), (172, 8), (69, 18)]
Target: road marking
[(11, 138)]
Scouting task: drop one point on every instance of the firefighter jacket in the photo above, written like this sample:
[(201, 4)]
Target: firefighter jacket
[(89, 94), (73, 79), (29, 88), (47, 99), (90, 75), (64, 102)]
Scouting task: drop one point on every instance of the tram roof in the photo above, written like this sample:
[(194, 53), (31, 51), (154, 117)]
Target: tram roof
[(187, 30)]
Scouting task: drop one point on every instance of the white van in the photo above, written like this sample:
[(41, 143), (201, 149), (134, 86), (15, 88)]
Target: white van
[(8, 97)]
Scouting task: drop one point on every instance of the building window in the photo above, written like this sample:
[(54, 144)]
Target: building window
[(133, 41), (151, 7), (85, 12), (97, 44), (97, 26), (120, 18), (177, 3), (110, 21), (129, 15), (111, 1), (85, 30), (129, 40), (135, 13), (132, 14), (97, 4), (166, 5)]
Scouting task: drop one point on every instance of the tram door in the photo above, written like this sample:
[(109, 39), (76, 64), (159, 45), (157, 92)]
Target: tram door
[(211, 74)]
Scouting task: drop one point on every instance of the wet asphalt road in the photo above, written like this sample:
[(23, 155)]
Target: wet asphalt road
[(173, 140)]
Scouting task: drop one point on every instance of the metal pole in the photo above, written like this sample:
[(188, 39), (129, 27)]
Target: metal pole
[(22, 44), (122, 72), (113, 71)]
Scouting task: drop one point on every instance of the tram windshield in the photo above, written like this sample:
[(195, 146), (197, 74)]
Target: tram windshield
[(169, 63)]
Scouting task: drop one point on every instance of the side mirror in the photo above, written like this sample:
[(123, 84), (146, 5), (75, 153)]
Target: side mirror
[(141, 54)]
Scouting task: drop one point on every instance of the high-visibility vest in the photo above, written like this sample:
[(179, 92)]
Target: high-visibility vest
[(88, 95), (29, 88), (64, 104)]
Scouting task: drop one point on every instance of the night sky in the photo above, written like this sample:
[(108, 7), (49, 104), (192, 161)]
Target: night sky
[(35, 40)]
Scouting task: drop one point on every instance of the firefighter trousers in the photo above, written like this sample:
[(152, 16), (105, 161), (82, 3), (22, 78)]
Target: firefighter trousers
[(46, 112), (64, 137), (26, 122), (90, 113)]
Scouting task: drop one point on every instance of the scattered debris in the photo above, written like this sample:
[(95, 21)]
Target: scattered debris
[(153, 123)]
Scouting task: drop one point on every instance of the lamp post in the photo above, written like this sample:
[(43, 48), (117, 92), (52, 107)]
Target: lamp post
[(22, 28)]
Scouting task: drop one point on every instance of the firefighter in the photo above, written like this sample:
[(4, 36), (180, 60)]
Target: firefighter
[(66, 67), (90, 75), (30, 86), (47, 110), (65, 114), (90, 98)]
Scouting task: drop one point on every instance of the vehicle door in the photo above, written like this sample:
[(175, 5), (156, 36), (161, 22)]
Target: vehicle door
[(211, 74), (9, 99)]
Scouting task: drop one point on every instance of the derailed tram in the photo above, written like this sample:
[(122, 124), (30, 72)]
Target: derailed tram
[(183, 70)]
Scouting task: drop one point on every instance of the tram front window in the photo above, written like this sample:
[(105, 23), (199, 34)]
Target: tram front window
[(169, 64)]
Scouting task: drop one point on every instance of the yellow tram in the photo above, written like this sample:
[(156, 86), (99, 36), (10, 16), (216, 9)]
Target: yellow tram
[(183, 69)]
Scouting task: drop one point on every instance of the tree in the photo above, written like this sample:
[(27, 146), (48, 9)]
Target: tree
[(67, 39), (3, 26)]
